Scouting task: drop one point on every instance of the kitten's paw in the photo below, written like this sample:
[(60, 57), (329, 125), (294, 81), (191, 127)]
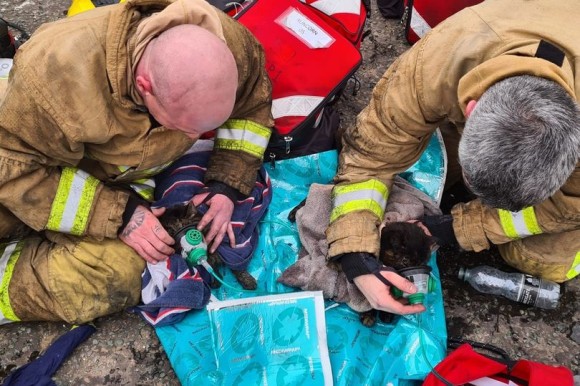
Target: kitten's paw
[(246, 280), (368, 318)]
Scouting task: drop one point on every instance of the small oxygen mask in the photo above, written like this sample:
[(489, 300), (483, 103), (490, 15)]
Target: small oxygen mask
[(192, 245), (421, 277)]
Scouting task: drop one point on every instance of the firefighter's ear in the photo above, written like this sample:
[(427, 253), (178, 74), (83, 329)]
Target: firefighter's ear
[(143, 85), (469, 108)]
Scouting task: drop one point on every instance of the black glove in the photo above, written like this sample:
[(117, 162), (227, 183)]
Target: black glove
[(355, 264), (217, 187), (441, 227)]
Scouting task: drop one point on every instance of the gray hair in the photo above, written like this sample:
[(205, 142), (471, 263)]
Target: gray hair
[(520, 143)]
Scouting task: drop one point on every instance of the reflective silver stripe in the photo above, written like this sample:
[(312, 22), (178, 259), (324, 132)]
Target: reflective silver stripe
[(520, 224), (74, 199), (5, 256), (72, 202), (418, 24), (368, 195), (145, 188), (365, 194), (330, 7), (517, 225), (242, 135), (295, 106)]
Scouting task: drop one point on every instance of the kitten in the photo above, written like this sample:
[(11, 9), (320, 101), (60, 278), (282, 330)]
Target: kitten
[(179, 216), (403, 245)]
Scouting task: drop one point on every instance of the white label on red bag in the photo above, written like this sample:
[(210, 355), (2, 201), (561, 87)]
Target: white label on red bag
[(485, 381), (305, 29)]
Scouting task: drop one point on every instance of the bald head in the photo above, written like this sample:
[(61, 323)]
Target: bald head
[(188, 79)]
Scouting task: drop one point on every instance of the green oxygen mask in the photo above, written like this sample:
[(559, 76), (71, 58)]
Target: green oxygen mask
[(421, 277), (193, 247)]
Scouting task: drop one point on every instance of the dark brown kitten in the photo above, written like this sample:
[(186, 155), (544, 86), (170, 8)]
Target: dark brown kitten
[(180, 216), (403, 245)]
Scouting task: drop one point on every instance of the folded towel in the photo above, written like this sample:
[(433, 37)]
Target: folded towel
[(311, 273)]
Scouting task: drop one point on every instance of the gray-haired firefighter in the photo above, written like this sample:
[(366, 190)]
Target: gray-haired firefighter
[(95, 105), (503, 86)]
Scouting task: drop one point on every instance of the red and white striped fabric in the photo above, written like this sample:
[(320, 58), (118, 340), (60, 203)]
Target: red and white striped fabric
[(422, 15), (466, 367), (346, 16)]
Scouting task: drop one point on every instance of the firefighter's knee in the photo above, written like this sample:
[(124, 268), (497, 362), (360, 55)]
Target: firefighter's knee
[(75, 280), (554, 257)]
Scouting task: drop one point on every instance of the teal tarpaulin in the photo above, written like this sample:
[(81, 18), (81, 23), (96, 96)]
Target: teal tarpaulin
[(398, 353)]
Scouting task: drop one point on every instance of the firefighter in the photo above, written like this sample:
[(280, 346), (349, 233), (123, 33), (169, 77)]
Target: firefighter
[(95, 105), (503, 87)]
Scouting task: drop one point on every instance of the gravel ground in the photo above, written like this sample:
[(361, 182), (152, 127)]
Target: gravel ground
[(126, 351)]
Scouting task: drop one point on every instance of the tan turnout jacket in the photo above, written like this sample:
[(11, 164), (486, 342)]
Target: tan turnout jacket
[(432, 82), (73, 135)]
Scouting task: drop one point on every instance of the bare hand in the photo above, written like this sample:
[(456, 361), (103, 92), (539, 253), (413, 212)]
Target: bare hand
[(145, 234), (219, 215), (379, 295)]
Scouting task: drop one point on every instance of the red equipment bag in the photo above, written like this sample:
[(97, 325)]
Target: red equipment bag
[(422, 15), (464, 366), (347, 17), (310, 56)]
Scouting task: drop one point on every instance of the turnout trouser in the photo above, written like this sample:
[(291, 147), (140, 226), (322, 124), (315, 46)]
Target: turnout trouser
[(554, 256), (65, 278)]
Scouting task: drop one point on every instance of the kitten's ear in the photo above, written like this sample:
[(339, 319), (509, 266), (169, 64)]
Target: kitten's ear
[(190, 210), (434, 243), (385, 240)]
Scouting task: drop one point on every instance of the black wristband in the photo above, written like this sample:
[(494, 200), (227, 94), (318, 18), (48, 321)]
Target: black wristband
[(217, 187), (441, 227), (356, 264)]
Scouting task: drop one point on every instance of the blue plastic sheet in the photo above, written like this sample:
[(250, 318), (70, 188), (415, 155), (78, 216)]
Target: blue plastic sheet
[(397, 353)]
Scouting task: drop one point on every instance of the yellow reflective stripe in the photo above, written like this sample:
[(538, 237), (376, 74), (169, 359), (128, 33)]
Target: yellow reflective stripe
[(505, 218), (243, 135), (150, 182), (9, 256), (356, 205), (368, 195), (147, 192), (517, 225), (145, 187), (575, 270), (73, 201)]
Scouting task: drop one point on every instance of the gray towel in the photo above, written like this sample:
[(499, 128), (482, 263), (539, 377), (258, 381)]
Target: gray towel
[(311, 273)]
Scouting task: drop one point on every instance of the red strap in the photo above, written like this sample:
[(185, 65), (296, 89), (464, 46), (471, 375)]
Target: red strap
[(464, 365), (539, 374)]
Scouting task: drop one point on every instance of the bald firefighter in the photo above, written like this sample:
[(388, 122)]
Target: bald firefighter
[(96, 104)]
